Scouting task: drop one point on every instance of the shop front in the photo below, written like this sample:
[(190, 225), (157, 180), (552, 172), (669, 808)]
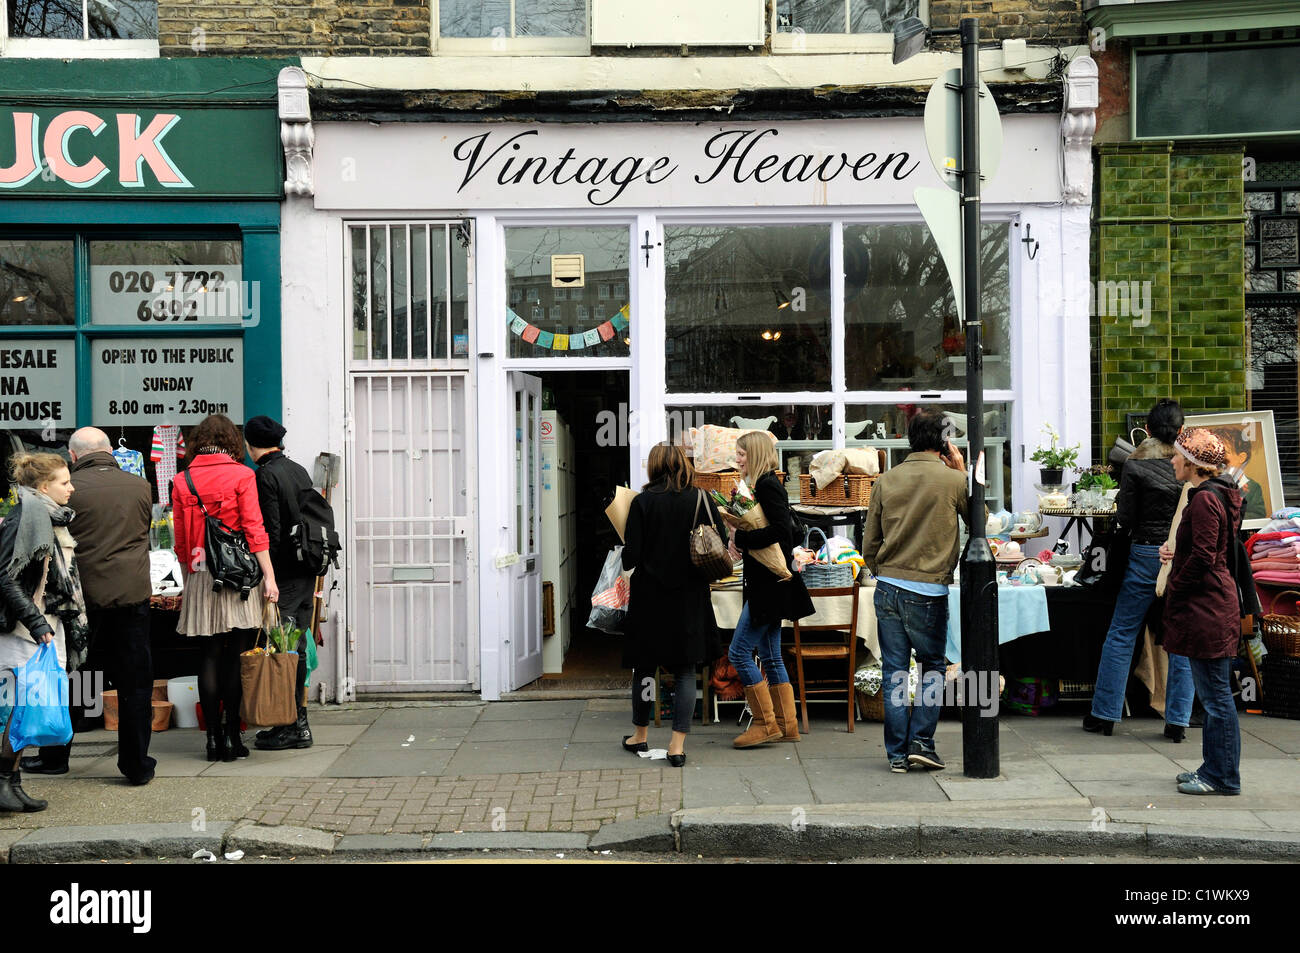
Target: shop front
[(518, 312), (139, 264)]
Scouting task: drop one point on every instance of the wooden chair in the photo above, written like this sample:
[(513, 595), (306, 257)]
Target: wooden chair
[(827, 651)]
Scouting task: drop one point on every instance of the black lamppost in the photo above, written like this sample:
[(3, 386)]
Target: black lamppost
[(979, 602)]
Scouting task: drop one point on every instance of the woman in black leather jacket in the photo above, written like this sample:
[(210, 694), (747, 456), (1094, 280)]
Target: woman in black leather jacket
[(35, 548), (1148, 498)]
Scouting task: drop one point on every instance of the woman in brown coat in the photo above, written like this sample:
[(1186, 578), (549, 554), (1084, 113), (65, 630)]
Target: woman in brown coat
[(1202, 619)]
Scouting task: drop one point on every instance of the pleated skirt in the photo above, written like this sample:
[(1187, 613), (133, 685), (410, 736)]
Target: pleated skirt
[(204, 612)]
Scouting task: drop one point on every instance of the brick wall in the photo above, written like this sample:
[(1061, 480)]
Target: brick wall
[(402, 27), (1039, 21), (285, 27), (1173, 218)]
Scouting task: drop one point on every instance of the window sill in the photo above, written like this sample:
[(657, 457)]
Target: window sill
[(784, 43), (500, 46), (30, 48)]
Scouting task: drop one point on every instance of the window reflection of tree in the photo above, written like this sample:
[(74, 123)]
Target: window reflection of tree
[(41, 275), (488, 18), (827, 16), (1273, 357), (728, 284), (62, 19)]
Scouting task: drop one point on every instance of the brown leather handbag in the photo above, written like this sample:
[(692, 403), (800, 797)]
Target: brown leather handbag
[(708, 554)]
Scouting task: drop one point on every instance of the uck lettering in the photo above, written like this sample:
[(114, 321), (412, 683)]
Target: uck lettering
[(50, 154)]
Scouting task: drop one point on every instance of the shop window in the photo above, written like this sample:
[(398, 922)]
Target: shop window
[(901, 327), (800, 430), (512, 26), (170, 282), (748, 308), (82, 19), (830, 26), (37, 284), (885, 426), (601, 327), (410, 299)]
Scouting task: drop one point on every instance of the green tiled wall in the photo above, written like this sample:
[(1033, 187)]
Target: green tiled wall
[(1173, 217)]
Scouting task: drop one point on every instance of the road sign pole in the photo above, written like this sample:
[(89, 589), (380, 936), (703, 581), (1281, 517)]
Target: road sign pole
[(979, 604)]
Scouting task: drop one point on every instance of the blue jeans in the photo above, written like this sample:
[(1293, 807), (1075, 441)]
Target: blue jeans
[(1221, 736), (1136, 594), (764, 638), (907, 621)]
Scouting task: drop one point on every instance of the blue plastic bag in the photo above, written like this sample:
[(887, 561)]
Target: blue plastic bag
[(41, 716)]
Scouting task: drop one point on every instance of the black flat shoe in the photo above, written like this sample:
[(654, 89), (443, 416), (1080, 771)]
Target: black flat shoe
[(1097, 724), (1175, 733), (39, 765), (643, 746), (677, 760)]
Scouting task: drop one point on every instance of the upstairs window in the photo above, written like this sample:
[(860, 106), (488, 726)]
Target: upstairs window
[(61, 27), (834, 26), (512, 26)]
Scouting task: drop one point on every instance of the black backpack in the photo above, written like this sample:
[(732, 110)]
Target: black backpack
[(312, 538), (225, 552)]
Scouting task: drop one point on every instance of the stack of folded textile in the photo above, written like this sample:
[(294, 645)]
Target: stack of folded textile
[(1275, 550)]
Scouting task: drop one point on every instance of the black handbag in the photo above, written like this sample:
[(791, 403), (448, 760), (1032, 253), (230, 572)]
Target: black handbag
[(225, 553), (1105, 561)]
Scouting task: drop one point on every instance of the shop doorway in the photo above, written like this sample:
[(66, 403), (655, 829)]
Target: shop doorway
[(584, 455)]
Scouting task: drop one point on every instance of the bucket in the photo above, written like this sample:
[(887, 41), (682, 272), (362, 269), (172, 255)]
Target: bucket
[(183, 693), (162, 715)]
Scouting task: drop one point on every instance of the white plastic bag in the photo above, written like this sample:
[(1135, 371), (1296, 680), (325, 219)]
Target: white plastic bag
[(610, 598)]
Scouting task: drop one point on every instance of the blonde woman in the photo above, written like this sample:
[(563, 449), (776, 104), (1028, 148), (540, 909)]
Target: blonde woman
[(767, 600), (40, 591)]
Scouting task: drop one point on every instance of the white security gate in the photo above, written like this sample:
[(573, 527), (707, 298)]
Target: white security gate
[(412, 606)]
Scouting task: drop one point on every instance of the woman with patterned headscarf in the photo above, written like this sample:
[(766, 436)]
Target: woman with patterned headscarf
[(1202, 619)]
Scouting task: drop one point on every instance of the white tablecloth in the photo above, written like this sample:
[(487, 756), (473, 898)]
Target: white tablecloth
[(1022, 610)]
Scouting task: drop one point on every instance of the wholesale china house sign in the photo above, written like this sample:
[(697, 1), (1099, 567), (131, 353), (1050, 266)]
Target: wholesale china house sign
[(174, 153), (655, 165)]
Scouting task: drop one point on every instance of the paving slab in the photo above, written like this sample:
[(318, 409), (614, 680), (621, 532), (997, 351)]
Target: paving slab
[(7, 840), (845, 781), (717, 750), (52, 845), (528, 711), (331, 734), (1220, 819), (279, 841), (715, 786), (384, 762), (596, 726), (84, 802), (332, 715), (542, 728), (1019, 780), (653, 834), (371, 845), (294, 763), (422, 737), (610, 704), (1280, 820), (429, 718), (1185, 841), (504, 757), (509, 840), (1106, 767), (588, 756)]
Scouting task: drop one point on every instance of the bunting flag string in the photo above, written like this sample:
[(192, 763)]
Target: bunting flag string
[(570, 342)]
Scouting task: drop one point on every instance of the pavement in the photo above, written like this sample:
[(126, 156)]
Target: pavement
[(417, 778)]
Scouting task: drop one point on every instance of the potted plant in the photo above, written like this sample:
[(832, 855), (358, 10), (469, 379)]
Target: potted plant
[(1053, 460), (1097, 480)]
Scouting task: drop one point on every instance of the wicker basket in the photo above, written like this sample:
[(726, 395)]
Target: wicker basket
[(871, 707), (824, 575), (850, 489), (1281, 632), (1281, 676), (723, 482)]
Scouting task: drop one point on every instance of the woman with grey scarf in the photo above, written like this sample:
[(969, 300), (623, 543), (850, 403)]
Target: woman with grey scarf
[(40, 595)]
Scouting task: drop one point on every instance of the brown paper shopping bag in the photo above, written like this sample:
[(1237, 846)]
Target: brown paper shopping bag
[(268, 682), (618, 510)]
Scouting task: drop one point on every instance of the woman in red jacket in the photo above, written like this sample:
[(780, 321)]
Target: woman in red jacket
[(226, 622), (1202, 619)]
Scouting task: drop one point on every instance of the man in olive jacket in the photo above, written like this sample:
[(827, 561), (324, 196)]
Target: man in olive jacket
[(911, 545), (113, 510)]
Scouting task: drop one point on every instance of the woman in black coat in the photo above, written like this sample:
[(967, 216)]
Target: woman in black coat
[(669, 618), (768, 600)]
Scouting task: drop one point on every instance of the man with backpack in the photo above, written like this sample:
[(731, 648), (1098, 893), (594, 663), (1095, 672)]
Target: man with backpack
[(285, 491)]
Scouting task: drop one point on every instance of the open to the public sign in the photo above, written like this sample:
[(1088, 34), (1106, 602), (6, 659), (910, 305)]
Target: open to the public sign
[(167, 294), (567, 271), (148, 381)]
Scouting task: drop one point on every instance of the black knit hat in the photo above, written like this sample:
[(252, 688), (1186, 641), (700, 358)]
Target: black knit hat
[(262, 431)]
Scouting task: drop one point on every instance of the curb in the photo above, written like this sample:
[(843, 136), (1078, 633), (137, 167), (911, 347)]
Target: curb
[(708, 832)]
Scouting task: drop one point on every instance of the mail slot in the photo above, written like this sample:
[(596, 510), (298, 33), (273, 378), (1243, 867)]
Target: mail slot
[(412, 574)]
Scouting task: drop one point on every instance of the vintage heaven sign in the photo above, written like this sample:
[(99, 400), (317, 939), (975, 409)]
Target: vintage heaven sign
[(656, 165)]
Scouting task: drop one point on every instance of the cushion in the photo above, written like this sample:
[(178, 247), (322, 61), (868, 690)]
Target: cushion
[(715, 447)]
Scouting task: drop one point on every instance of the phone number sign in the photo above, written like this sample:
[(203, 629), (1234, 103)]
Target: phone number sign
[(150, 381), (166, 294)]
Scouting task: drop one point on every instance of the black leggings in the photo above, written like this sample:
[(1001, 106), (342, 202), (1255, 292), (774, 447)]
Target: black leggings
[(219, 678), (643, 697)]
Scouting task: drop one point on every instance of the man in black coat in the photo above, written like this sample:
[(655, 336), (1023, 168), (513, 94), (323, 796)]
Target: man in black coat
[(280, 483), (113, 512)]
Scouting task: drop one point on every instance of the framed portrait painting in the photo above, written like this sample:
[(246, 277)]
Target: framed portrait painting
[(1251, 441)]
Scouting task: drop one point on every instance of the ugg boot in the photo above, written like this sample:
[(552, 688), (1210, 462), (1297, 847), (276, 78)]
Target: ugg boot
[(783, 707), (764, 727)]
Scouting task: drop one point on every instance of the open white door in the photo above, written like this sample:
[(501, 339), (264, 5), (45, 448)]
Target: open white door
[(526, 574)]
